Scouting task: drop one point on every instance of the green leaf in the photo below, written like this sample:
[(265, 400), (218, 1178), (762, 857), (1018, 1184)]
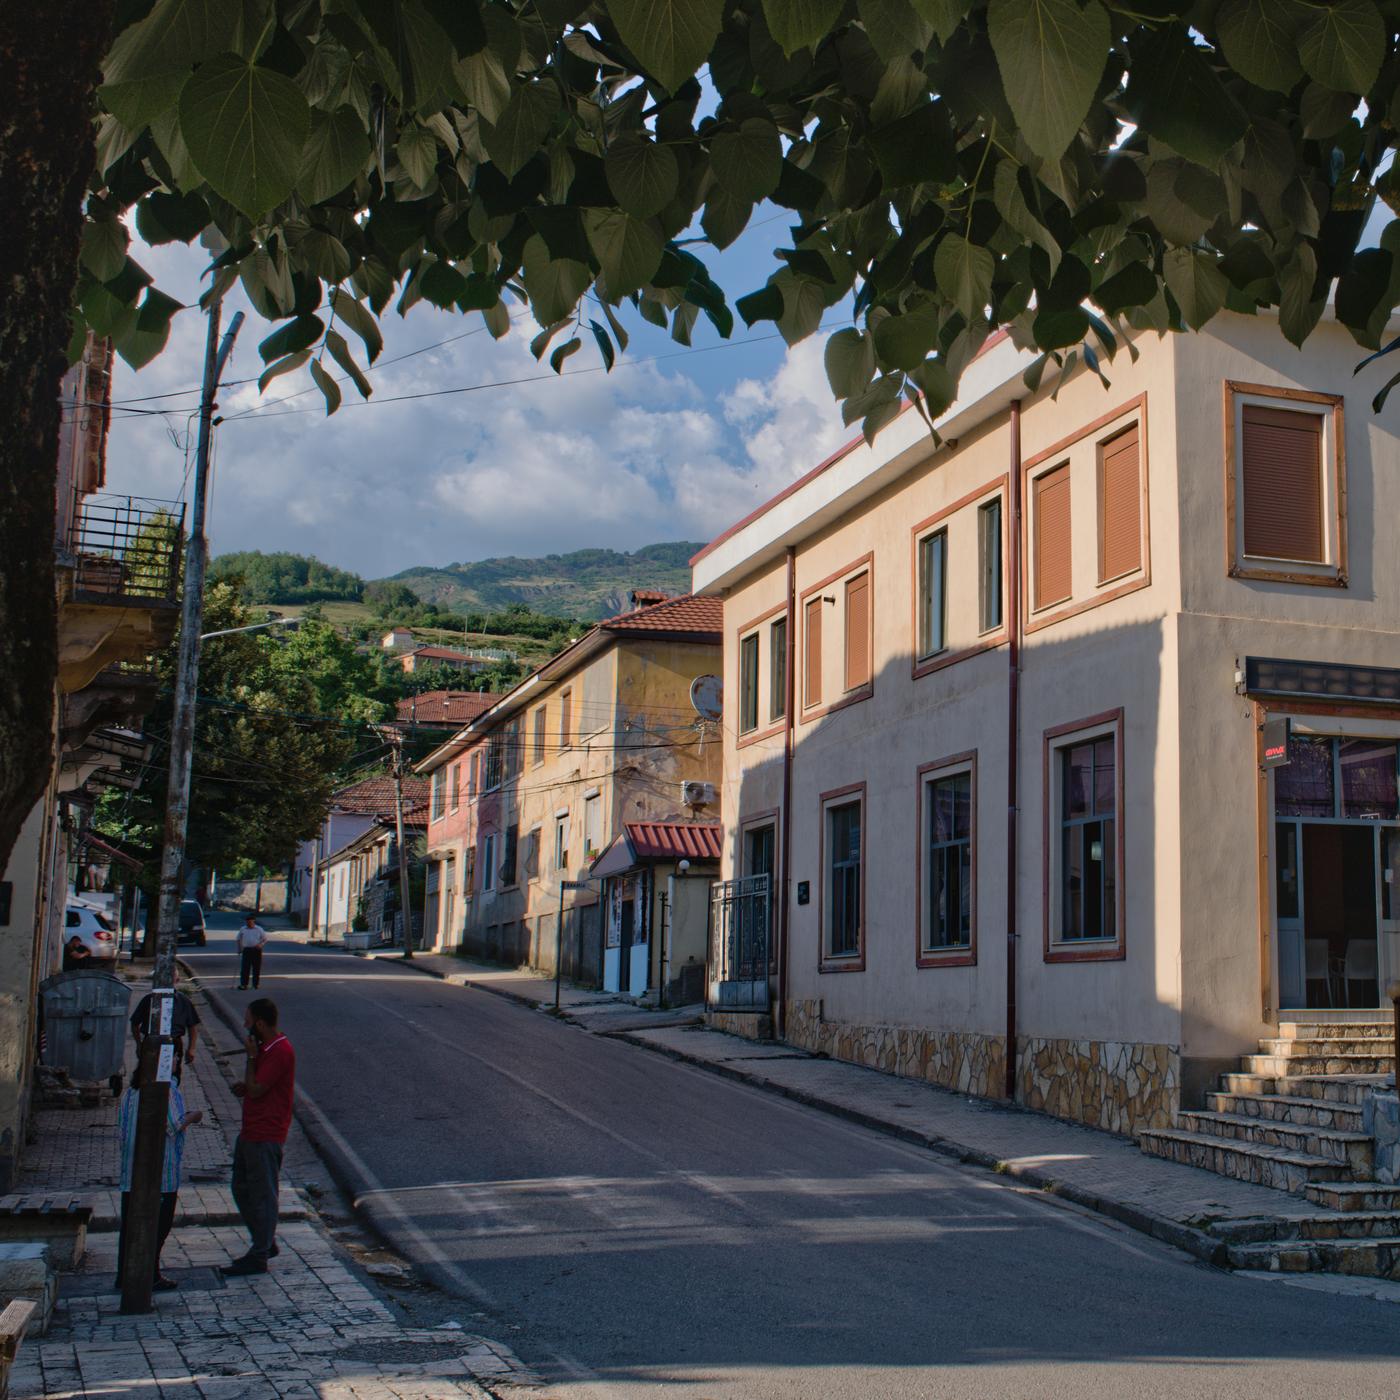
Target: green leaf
[(171, 218), (359, 319), (943, 15), (165, 131), (916, 148), (562, 353), (803, 304), (1177, 97), (748, 162), (330, 390), (1054, 330), (1011, 205), (850, 362), (903, 341), (1133, 285), (628, 250), (766, 304), (938, 385), (147, 335), (1383, 394), (340, 353), (894, 27), (337, 150), (605, 345), (1363, 287), (441, 284), (417, 150), (1343, 44), (1051, 54), (1298, 311), (671, 38), (725, 217), (104, 248), (485, 83), (245, 128), (324, 255), (963, 272), (138, 103), (283, 366), (497, 319), (1257, 38), (520, 131), (642, 175), (296, 335), (172, 38), (429, 56), (554, 284), (801, 24), (1197, 283)]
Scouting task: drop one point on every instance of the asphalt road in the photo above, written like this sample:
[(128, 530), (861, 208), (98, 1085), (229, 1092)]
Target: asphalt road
[(655, 1230)]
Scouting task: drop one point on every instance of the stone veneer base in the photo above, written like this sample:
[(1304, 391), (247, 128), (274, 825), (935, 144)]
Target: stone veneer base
[(1120, 1086)]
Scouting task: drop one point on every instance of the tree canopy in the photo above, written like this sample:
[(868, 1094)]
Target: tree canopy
[(281, 577), (1068, 169)]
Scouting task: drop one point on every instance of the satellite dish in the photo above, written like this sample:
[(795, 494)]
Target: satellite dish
[(707, 696)]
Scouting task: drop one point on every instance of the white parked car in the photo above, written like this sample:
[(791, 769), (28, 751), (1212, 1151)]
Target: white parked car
[(93, 928)]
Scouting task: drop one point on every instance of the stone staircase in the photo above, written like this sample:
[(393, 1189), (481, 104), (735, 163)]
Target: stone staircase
[(1291, 1118)]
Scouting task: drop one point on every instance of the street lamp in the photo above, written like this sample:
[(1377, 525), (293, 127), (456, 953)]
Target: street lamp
[(253, 627)]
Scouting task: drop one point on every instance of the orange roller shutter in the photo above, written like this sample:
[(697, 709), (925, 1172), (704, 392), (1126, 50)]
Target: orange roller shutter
[(1282, 470), (1120, 506), (1052, 571), (858, 632), (812, 655)]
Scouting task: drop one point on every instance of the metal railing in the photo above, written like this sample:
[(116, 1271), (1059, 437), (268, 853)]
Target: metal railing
[(126, 549), (740, 934)]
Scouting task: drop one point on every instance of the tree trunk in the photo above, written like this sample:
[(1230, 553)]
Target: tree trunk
[(51, 60)]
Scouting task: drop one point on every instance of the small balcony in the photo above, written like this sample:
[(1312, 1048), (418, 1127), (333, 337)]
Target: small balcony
[(125, 551)]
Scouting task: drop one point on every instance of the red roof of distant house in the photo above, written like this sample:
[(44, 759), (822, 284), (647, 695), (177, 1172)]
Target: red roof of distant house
[(440, 654), (674, 840), (445, 707), (644, 597), (372, 797), (700, 617)]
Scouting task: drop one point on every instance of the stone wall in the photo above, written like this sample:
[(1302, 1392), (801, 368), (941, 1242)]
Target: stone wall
[(1380, 1116), (1120, 1086), (752, 1025)]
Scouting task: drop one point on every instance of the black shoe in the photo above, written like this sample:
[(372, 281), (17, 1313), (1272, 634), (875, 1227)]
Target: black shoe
[(163, 1284), (242, 986), (243, 1266), (273, 1252)]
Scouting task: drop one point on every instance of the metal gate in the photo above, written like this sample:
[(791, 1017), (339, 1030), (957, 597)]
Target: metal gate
[(740, 938)]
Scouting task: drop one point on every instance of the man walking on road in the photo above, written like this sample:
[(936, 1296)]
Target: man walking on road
[(251, 938), (266, 1091)]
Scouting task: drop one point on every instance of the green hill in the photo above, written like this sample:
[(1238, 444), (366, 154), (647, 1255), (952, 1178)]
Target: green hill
[(587, 584)]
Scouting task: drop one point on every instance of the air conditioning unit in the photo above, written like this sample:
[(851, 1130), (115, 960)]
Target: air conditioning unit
[(697, 794)]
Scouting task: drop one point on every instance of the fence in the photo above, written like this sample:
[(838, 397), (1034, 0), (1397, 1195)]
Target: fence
[(126, 548), (740, 938)]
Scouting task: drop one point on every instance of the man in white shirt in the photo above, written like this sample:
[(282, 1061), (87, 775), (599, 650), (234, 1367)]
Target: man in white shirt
[(251, 938)]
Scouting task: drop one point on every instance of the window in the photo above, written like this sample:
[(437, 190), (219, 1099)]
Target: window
[(561, 841), (439, 789), (777, 669), (566, 719), (759, 846), (537, 738), (512, 746), (812, 654), (933, 583), (456, 800), (508, 856), (989, 565), (1120, 506), (530, 861), (948, 894), (472, 774), (1088, 885), (1052, 579), (495, 750), (469, 873), (1355, 779), (843, 879), (748, 683), (592, 825), (858, 632), (488, 863)]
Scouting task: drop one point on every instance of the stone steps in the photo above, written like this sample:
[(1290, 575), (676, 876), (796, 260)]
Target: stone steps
[(1325, 1064), (1286, 1108), (1353, 1196), (1337, 1030), (1367, 1258), (1352, 1150), (1325, 1225), (1327, 1046), (1277, 1167)]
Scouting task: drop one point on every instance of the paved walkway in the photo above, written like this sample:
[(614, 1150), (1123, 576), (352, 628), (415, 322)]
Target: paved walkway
[(312, 1328)]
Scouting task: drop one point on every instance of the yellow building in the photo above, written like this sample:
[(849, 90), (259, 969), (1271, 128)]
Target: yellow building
[(621, 727)]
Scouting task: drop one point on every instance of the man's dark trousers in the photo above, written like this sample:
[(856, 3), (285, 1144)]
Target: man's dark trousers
[(250, 966), (256, 1168)]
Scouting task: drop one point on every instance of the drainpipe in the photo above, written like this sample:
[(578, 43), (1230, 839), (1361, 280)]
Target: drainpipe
[(789, 685), (1013, 707)]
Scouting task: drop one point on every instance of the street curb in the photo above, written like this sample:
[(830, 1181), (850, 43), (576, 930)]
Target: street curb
[(463, 981), (1160, 1227)]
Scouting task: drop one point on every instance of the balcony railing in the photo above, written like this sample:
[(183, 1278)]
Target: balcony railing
[(126, 550)]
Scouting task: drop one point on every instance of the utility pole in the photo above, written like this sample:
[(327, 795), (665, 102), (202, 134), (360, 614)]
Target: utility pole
[(397, 742), (139, 1265)]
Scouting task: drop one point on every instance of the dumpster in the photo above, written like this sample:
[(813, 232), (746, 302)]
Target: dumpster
[(85, 1024)]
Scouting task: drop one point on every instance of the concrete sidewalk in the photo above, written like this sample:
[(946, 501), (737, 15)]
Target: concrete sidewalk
[(312, 1327)]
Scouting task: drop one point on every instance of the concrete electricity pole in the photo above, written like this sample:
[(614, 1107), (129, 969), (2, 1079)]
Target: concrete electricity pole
[(142, 1241)]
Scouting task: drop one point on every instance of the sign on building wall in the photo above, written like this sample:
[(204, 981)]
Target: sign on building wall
[(1277, 732)]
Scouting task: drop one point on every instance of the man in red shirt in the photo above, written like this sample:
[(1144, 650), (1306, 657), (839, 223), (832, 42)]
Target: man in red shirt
[(266, 1092)]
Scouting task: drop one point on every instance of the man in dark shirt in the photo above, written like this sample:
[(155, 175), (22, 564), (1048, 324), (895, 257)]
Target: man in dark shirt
[(266, 1091), (184, 1025)]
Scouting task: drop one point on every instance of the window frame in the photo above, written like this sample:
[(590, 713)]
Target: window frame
[(1064, 465), (848, 586), (594, 797), (1103, 579), (561, 847), (748, 682), (1330, 408), (538, 731), (566, 718), (1056, 948), (438, 795), (777, 669), (991, 583), (487, 864), (757, 625), (833, 587), (830, 801), (927, 774), (454, 788), (924, 650)]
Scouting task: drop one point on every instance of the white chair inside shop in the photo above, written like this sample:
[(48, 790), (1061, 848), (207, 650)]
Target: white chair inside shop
[(1315, 964), (1362, 965)]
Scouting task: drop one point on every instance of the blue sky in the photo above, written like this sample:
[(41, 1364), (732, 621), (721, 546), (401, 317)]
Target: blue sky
[(660, 449)]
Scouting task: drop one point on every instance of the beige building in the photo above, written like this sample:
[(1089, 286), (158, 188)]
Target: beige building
[(621, 727), (995, 721)]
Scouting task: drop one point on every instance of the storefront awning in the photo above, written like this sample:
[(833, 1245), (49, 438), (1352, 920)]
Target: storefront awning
[(1267, 676)]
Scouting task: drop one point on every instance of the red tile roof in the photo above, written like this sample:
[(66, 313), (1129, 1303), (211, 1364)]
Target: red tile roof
[(674, 840), (445, 707), (373, 797), (699, 617)]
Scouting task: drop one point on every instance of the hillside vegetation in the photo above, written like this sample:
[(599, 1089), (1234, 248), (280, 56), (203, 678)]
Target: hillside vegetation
[(285, 578)]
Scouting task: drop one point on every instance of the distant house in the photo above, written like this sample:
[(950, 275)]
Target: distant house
[(441, 656), (360, 880), (445, 709), (396, 639)]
